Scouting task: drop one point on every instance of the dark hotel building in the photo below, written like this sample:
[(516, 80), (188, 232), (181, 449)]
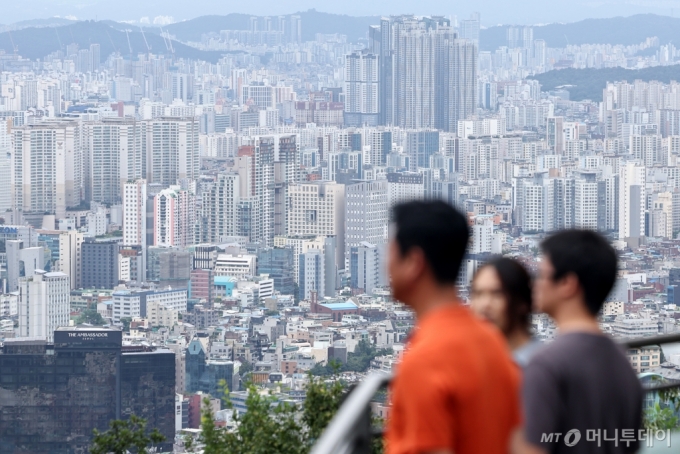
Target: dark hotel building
[(53, 395)]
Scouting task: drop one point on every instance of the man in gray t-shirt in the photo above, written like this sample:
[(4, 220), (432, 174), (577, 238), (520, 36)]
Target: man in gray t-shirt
[(580, 394)]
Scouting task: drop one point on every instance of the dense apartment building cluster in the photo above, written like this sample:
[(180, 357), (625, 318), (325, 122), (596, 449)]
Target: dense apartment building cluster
[(230, 221)]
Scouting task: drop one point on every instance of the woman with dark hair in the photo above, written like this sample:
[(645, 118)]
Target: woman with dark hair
[(501, 294)]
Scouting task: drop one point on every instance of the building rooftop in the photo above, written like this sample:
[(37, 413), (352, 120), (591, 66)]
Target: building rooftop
[(340, 305)]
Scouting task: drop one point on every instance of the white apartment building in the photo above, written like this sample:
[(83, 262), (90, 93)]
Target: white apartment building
[(586, 202), (174, 217), (219, 217), (114, 154), (134, 213), (361, 88), (44, 304), (47, 167), (173, 150), (482, 236), (136, 303)]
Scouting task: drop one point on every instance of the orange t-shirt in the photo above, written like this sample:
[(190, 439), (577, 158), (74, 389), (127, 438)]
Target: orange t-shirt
[(456, 388)]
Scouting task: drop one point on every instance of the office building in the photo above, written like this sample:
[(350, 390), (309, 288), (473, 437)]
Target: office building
[(205, 375), (21, 261), (99, 264), (312, 275), (70, 256), (133, 303), (235, 265), (318, 209), (277, 263), (368, 269), (632, 200), (366, 214)]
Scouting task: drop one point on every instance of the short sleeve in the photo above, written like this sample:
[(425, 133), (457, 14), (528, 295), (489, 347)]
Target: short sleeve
[(542, 404), (422, 415)]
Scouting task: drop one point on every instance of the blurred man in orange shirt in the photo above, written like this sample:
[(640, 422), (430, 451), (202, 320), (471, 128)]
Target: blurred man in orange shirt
[(456, 389)]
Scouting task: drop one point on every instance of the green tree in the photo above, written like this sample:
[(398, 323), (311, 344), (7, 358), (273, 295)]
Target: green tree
[(126, 323), (90, 316), (663, 415), (357, 361), (660, 418), (322, 402), (125, 435)]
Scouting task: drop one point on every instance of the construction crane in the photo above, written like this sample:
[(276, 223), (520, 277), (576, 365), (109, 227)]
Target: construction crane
[(164, 40), (148, 48), (168, 42), (61, 46), (15, 48), (127, 33)]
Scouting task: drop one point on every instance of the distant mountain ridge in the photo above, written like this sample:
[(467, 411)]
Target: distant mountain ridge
[(616, 30), (589, 83), (38, 42), (313, 22), (37, 38)]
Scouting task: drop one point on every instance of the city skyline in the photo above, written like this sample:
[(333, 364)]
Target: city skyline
[(220, 202)]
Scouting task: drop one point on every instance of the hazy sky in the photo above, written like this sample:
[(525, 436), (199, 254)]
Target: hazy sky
[(492, 11)]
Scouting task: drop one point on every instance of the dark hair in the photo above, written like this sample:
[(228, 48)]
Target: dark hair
[(438, 229), (516, 285), (589, 256)]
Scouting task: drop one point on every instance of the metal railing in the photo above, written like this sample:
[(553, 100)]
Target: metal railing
[(654, 340), (350, 431)]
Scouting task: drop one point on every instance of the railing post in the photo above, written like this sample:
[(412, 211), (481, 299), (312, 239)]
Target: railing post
[(364, 436)]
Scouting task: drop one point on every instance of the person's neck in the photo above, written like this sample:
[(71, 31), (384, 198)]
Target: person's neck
[(433, 297), (572, 316), (518, 338)]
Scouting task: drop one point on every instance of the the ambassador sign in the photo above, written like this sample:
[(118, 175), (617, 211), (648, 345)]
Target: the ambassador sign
[(86, 335)]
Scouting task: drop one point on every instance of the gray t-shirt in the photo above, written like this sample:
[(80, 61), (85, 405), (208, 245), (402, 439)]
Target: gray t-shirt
[(581, 381)]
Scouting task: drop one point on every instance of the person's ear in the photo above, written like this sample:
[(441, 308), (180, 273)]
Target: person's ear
[(414, 263), (569, 286)]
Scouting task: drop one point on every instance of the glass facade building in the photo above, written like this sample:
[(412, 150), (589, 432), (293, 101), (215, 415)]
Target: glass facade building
[(53, 395)]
